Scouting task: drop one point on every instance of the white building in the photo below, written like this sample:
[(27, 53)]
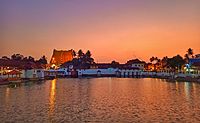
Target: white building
[(62, 72), (33, 74), (136, 63), (97, 72)]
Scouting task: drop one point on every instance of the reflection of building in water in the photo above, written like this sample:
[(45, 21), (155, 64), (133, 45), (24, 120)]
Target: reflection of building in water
[(7, 94), (177, 88), (52, 97), (61, 56), (187, 90), (194, 87)]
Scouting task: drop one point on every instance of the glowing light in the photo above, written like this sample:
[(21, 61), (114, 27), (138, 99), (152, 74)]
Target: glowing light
[(53, 65)]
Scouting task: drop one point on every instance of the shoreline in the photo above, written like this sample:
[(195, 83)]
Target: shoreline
[(168, 79)]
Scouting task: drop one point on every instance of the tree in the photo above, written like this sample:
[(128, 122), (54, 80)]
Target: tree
[(88, 54), (154, 59), (31, 59), (82, 61), (17, 57), (74, 53), (197, 56), (176, 62), (25, 59), (186, 58), (80, 53), (43, 60), (114, 64), (5, 57), (164, 61), (188, 55), (190, 52)]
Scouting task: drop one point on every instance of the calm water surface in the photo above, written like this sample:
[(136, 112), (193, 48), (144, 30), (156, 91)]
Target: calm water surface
[(101, 100)]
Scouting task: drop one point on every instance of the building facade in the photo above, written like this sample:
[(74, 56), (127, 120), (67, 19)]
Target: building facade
[(61, 56)]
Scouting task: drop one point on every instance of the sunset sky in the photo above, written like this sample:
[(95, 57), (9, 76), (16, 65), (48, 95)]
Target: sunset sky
[(111, 29)]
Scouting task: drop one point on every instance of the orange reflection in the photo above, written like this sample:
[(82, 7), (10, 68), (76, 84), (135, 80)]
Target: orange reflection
[(194, 87), (52, 97), (7, 94), (187, 90), (177, 86)]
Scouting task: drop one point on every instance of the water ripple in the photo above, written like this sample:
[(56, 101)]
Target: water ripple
[(101, 100)]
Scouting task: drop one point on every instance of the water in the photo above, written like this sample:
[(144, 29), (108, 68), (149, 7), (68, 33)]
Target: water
[(101, 100)]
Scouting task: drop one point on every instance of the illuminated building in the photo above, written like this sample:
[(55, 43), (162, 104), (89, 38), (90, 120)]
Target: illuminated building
[(61, 56)]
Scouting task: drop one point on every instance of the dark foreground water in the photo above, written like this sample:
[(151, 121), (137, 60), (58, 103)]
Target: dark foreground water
[(101, 100)]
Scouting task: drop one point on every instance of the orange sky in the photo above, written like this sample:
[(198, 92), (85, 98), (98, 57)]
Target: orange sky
[(112, 30)]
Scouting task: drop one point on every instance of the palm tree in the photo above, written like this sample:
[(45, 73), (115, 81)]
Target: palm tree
[(74, 53), (152, 59), (190, 52), (80, 53), (88, 54)]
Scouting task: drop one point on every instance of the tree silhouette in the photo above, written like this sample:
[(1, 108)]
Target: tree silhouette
[(190, 52), (43, 60), (31, 59), (80, 54), (176, 62), (17, 57), (88, 54), (114, 64), (164, 61), (154, 59), (5, 57), (74, 53)]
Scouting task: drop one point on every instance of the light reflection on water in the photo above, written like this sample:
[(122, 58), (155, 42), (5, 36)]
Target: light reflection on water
[(101, 100), (7, 94), (52, 98), (187, 90)]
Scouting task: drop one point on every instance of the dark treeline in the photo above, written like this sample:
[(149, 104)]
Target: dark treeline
[(81, 59), (176, 62), (85, 59), (19, 57)]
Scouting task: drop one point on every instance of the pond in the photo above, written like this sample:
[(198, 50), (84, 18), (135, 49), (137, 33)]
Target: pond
[(101, 100)]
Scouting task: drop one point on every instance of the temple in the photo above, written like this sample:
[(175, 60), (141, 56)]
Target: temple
[(61, 56)]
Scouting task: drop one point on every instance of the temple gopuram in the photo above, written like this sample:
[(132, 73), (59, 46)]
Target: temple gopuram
[(61, 56)]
